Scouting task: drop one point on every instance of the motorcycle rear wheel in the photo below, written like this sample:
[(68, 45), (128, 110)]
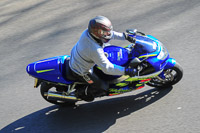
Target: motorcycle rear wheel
[(45, 87), (172, 76)]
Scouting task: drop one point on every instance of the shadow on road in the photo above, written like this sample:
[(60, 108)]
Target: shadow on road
[(92, 117)]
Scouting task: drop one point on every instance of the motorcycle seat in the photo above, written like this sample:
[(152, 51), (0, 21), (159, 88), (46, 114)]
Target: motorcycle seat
[(67, 72)]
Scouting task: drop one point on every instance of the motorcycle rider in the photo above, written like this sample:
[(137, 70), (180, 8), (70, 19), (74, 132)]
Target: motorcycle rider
[(88, 51)]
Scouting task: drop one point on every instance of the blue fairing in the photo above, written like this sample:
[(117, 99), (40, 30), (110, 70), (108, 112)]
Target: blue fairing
[(144, 46), (50, 69), (170, 63), (149, 45)]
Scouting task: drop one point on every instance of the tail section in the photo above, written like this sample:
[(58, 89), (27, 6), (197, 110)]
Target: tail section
[(50, 69)]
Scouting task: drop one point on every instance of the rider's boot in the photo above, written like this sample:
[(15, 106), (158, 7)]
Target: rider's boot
[(85, 94)]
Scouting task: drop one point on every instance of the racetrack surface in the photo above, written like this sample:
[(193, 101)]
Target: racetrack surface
[(37, 29)]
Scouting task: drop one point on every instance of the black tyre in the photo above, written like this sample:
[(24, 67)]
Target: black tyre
[(45, 87), (172, 76)]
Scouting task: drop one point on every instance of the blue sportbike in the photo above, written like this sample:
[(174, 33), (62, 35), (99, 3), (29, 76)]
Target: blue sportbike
[(148, 55)]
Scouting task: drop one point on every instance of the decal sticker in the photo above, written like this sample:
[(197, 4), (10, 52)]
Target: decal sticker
[(147, 56), (47, 70), (119, 55), (121, 84)]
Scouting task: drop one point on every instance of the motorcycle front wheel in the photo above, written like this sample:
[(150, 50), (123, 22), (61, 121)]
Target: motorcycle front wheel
[(172, 76), (45, 87)]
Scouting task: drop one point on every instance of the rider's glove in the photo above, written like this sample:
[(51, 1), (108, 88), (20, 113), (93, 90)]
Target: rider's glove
[(131, 72), (129, 38)]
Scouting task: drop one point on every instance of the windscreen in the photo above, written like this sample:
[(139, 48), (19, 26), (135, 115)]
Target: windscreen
[(144, 45)]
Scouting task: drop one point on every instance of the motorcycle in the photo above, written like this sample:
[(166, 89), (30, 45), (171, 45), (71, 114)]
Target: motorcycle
[(148, 55)]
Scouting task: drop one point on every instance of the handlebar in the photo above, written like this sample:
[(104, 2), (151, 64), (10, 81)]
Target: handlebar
[(134, 32)]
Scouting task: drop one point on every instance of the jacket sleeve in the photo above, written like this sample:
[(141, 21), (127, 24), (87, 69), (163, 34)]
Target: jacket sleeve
[(107, 67), (118, 36)]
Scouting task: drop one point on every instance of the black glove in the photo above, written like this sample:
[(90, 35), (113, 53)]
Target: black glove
[(131, 72), (129, 38)]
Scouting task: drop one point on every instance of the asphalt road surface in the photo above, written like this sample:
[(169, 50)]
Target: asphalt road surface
[(31, 30)]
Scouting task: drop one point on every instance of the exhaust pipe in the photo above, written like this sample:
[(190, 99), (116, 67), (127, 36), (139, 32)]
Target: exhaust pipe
[(59, 96)]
